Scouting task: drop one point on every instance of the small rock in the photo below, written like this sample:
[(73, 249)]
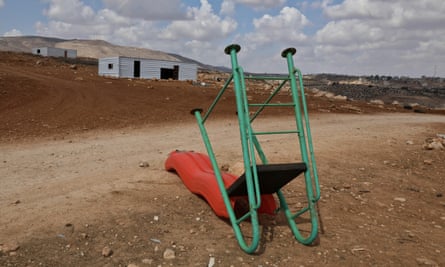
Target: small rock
[(84, 235), (211, 262), (169, 254), (329, 95), (434, 146), (147, 261), (377, 102), (132, 265), (428, 161), (154, 240), (341, 97), (144, 164), (107, 251), (225, 167), (426, 262), (9, 247), (409, 142), (73, 67), (400, 199)]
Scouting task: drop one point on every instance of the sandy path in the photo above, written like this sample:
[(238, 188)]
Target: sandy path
[(49, 183)]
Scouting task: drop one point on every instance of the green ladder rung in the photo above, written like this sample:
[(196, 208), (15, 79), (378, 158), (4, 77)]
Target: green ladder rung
[(272, 78), (276, 132)]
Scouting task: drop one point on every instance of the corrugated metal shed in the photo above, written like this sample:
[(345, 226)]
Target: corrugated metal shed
[(54, 52), (127, 67)]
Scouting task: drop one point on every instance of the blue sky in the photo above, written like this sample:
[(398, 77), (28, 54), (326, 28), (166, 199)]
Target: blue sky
[(398, 37)]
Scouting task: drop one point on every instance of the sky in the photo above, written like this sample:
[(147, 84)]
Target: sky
[(355, 37)]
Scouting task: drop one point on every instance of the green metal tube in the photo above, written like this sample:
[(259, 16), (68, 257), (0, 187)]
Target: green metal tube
[(309, 138), (245, 148), (217, 98), (250, 141), (305, 158), (232, 216)]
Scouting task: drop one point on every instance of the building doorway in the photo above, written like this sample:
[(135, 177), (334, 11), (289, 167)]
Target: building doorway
[(137, 69), (170, 73)]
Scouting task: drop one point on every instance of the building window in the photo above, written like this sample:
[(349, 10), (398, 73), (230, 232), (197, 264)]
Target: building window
[(38, 51), (110, 66)]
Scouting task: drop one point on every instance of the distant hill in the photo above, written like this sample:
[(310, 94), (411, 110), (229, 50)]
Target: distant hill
[(85, 48), (93, 49)]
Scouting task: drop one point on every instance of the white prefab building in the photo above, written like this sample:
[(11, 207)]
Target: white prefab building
[(54, 52), (128, 67)]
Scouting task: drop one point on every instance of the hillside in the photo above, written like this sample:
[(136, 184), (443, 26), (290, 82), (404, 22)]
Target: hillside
[(85, 48)]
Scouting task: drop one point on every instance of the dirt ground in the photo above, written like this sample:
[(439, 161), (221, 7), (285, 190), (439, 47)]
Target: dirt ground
[(71, 182)]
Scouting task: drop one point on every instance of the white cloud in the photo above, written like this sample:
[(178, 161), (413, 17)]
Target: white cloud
[(382, 36), (261, 49), (261, 3), (204, 25), (13, 32), (148, 9), (2, 3), (350, 32), (102, 23), (227, 7), (70, 11), (408, 13), (285, 27)]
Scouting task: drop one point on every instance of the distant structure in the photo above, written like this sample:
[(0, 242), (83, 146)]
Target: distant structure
[(128, 67), (54, 52)]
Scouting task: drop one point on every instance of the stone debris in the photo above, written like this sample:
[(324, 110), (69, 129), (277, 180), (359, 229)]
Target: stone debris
[(144, 164), (147, 261), (211, 262), (169, 254), (428, 162), (426, 262), (225, 167), (107, 251), (435, 143), (341, 97), (400, 199), (377, 102), (9, 247)]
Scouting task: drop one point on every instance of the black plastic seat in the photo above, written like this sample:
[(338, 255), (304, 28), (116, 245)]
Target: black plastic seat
[(271, 178)]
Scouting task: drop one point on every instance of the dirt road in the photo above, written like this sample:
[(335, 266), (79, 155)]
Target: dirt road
[(63, 201)]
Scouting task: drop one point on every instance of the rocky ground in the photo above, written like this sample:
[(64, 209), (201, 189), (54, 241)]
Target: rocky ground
[(83, 181)]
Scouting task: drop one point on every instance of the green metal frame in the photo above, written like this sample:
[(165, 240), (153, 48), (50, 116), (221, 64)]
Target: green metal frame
[(251, 145)]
